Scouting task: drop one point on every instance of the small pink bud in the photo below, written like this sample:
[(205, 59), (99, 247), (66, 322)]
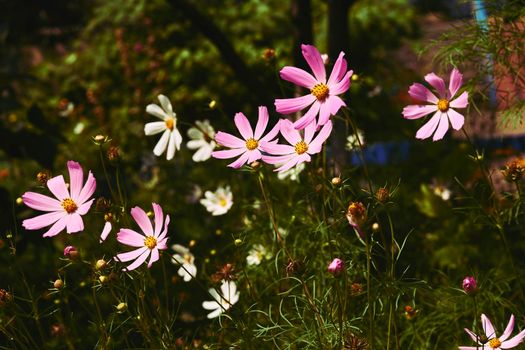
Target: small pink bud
[(336, 266), (470, 285), (70, 252)]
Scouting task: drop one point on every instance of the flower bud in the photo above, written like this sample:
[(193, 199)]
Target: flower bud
[(336, 267), (113, 153), (382, 195), (5, 297), (103, 279), (212, 104), (410, 312), (375, 227), (121, 307), (43, 176), (192, 243), (336, 181), (19, 201), (238, 242), (470, 285), (70, 252), (58, 284), (100, 264)]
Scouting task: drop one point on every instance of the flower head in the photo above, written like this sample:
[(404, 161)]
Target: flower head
[(202, 139), (322, 99), (171, 137), (299, 149), (70, 204), (223, 300), (336, 267), (218, 202), (249, 148), (257, 254), (469, 284), (442, 107), (149, 243), (491, 340), (186, 260)]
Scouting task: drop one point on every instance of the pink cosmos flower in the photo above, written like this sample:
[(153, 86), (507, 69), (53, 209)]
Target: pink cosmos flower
[(149, 243), (441, 107), (65, 211), (336, 266), (492, 341), (323, 99), (248, 149), (300, 149)]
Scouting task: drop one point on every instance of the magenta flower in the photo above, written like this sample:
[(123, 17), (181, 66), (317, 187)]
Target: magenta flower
[(492, 341), (149, 243), (248, 149), (469, 284), (336, 266), (441, 107), (65, 211), (300, 149), (70, 252), (323, 99)]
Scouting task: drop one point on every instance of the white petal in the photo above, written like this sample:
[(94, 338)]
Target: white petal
[(162, 144), (154, 128)]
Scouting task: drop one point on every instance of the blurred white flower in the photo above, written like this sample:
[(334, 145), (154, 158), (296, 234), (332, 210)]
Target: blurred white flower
[(292, 173), (352, 142), (194, 195), (186, 260), (79, 128), (223, 300), (218, 202), (257, 254), (171, 137), (441, 191), (325, 58), (202, 139)]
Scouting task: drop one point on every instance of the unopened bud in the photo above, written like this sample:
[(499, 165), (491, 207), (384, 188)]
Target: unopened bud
[(100, 264), (212, 104), (42, 177), (375, 227), (71, 252), (238, 242), (382, 195), (103, 279), (58, 284), (336, 267), (336, 181), (192, 243), (19, 201), (470, 285), (121, 307)]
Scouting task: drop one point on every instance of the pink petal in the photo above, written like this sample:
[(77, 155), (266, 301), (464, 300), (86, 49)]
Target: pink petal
[(123, 257), (129, 237), (442, 128), (277, 149), (472, 335), (254, 155), (290, 134), (58, 187), (230, 153), (139, 261), (292, 105), (154, 257), (342, 86), (240, 161), (74, 223), (324, 113), (76, 178), (514, 341), (271, 134), (298, 77), (461, 101), (288, 165), (262, 122), (278, 159), (488, 328), (161, 245), (84, 208), (315, 61), (428, 129), (339, 70), (243, 125), (142, 220), (508, 329), (316, 145), (57, 227), (164, 231), (105, 231), (418, 111), (309, 132), (456, 119), (159, 218), (421, 93), (437, 83), (40, 202), (308, 117), (229, 140), (87, 190), (335, 104), (43, 220), (456, 80)]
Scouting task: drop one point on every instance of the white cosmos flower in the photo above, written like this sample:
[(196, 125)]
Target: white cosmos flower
[(351, 140), (292, 173), (171, 137), (218, 202), (202, 139), (186, 260), (223, 300), (257, 254)]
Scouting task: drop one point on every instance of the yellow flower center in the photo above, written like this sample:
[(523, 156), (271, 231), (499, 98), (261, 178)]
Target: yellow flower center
[(494, 343), (150, 242), (443, 105), (223, 202), (69, 205), (301, 147), (320, 91), (252, 144), (170, 123)]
